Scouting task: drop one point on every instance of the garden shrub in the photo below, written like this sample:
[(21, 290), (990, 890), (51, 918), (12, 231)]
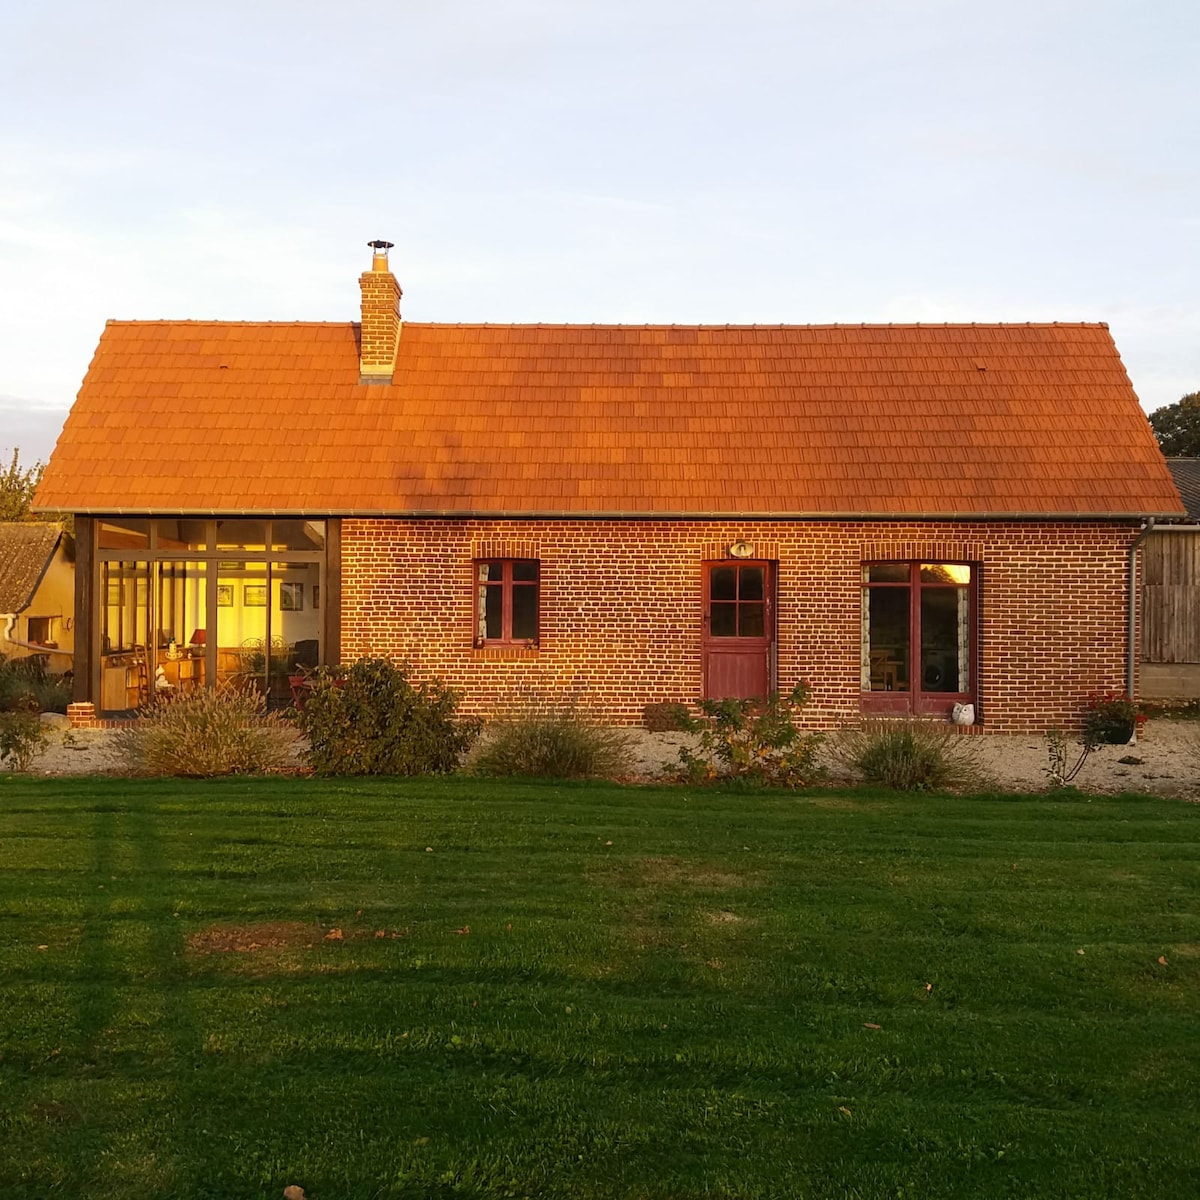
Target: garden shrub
[(371, 719), (758, 740), (911, 756), (667, 716), (22, 736), (537, 738), (22, 679), (226, 731)]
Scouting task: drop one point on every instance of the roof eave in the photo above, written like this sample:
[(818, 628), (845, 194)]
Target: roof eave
[(629, 514)]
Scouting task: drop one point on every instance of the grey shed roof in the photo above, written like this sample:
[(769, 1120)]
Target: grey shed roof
[(25, 552), (1186, 473)]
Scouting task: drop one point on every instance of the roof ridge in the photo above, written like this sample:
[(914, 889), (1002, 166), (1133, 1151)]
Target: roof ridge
[(215, 321), (631, 325)]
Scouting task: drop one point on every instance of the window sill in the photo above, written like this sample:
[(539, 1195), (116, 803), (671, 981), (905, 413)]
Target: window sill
[(505, 650)]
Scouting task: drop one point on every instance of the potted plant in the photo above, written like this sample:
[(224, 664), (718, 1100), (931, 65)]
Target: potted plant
[(1110, 719)]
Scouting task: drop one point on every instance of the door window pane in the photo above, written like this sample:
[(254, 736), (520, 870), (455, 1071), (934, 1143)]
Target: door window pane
[(751, 622), (723, 583), (723, 620), (751, 583)]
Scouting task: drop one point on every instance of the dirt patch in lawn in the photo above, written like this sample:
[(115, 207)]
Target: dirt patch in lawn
[(658, 872), (723, 917), (247, 939)]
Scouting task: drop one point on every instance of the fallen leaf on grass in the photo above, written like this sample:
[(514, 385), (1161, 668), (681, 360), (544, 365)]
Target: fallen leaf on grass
[(929, 987), (292, 1192), (43, 947), (465, 929), (1078, 951), (871, 1025), (844, 1111), (334, 935), (1162, 960)]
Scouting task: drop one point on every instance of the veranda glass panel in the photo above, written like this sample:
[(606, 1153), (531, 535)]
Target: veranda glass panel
[(297, 535), (241, 535), (184, 534), (125, 606), (242, 614), (295, 625), (181, 607), (129, 533)]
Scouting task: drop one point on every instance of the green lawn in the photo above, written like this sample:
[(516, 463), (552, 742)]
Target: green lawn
[(594, 991)]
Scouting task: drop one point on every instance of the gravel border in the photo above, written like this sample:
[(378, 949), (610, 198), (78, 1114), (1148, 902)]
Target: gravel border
[(1169, 754)]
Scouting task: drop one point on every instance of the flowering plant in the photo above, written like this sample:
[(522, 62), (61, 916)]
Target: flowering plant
[(1110, 718)]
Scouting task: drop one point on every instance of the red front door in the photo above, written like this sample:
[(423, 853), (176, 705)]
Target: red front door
[(739, 629)]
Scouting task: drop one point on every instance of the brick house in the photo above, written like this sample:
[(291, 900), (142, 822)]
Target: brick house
[(908, 516)]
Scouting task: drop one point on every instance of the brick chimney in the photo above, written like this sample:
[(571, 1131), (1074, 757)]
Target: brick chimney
[(380, 318)]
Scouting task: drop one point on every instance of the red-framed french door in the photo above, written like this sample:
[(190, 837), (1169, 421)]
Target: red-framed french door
[(738, 644), (919, 637)]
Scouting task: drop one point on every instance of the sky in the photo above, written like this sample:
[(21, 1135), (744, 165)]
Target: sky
[(771, 161)]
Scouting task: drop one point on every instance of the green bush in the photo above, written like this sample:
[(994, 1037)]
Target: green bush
[(370, 719), (224, 731), (22, 736), (540, 739), (758, 740), (910, 756), (667, 716), (26, 679)]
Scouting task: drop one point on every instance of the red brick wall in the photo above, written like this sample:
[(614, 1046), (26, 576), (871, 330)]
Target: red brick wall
[(621, 607)]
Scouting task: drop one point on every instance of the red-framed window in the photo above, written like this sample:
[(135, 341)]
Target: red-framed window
[(919, 633), (507, 600)]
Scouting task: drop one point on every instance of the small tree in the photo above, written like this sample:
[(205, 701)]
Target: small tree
[(1177, 427), (371, 719), (17, 485)]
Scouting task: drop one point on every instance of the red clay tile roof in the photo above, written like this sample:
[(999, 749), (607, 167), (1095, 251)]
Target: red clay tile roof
[(975, 420)]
